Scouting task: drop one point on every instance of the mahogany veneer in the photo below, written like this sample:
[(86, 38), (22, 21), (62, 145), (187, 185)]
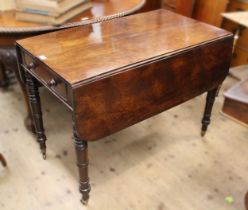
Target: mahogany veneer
[(117, 73)]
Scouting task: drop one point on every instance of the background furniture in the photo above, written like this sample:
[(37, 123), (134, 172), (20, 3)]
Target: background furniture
[(152, 5), (183, 7), (237, 22), (236, 102), (236, 97), (12, 30), (210, 11), (118, 80)]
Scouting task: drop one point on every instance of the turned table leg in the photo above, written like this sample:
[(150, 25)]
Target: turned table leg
[(29, 123), (3, 161), (81, 148), (4, 82), (34, 100), (208, 110), (8, 63)]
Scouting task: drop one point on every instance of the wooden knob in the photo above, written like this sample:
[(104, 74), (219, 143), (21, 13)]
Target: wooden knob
[(31, 65), (52, 83)]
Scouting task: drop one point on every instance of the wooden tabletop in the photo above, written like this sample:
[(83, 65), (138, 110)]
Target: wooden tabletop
[(239, 17), (92, 51)]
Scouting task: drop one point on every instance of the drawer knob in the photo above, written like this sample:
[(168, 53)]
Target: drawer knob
[(52, 83), (32, 65)]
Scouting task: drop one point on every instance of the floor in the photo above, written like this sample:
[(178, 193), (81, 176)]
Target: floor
[(161, 163)]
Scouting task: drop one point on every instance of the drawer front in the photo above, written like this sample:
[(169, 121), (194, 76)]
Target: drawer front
[(47, 78)]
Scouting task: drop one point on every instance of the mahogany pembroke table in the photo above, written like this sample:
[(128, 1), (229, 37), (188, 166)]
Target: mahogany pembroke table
[(116, 73)]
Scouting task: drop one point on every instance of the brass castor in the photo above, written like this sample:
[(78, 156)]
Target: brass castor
[(84, 201), (29, 124), (203, 133), (44, 156), (43, 152)]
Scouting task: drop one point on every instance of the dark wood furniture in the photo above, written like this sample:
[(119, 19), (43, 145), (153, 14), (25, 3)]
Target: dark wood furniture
[(210, 11), (114, 74), (152, 5), (12, 30), (3, 161), (240, 55), (236, 97), (236, 102), (183, 7)]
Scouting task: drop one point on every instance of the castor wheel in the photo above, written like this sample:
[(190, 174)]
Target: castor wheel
[(29, 124), (85, 201), (203, 133)]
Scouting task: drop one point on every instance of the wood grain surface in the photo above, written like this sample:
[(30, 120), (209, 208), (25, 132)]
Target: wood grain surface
[(116, 102), (83, 53), (210, 11), (126, 70)]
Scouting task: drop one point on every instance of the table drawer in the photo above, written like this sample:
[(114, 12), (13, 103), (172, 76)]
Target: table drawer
[(47, 78)]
